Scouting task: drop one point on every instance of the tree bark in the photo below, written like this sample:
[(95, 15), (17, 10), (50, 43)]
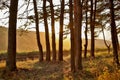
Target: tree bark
[(72, 36), (11, 52), (46, 31), (78, 39), (53, 31), (60, 54), (92, 31), (114, 34), (86, 30), (37, 31)]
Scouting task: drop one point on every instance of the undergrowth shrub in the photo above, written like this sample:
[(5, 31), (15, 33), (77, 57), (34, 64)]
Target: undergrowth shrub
[(110, 75)]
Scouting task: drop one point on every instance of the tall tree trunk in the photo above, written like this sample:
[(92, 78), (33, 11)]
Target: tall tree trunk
[(78, 39), (72, 36), (114, 34), (11, 52), (92, 31), (60, 54), (86, 30), (46, 31), (53, 31), (106, 44), (37, 31)]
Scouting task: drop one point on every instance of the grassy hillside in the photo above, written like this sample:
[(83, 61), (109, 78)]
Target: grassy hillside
[(3, 39), (26, 41)]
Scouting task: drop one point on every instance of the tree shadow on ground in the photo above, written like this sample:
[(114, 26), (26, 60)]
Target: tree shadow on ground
[(53, 70)]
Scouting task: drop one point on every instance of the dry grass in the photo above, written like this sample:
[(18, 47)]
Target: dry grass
[(33, 70), (100, 68), (27, 41)]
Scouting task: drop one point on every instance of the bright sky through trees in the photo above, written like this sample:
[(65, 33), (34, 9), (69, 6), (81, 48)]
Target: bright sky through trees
[(21, 22), (4, 15)]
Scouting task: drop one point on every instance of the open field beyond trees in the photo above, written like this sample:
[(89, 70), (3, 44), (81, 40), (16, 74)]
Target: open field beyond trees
[(26, 41)]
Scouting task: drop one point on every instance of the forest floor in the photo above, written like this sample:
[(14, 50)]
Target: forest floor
[(29, 68)]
